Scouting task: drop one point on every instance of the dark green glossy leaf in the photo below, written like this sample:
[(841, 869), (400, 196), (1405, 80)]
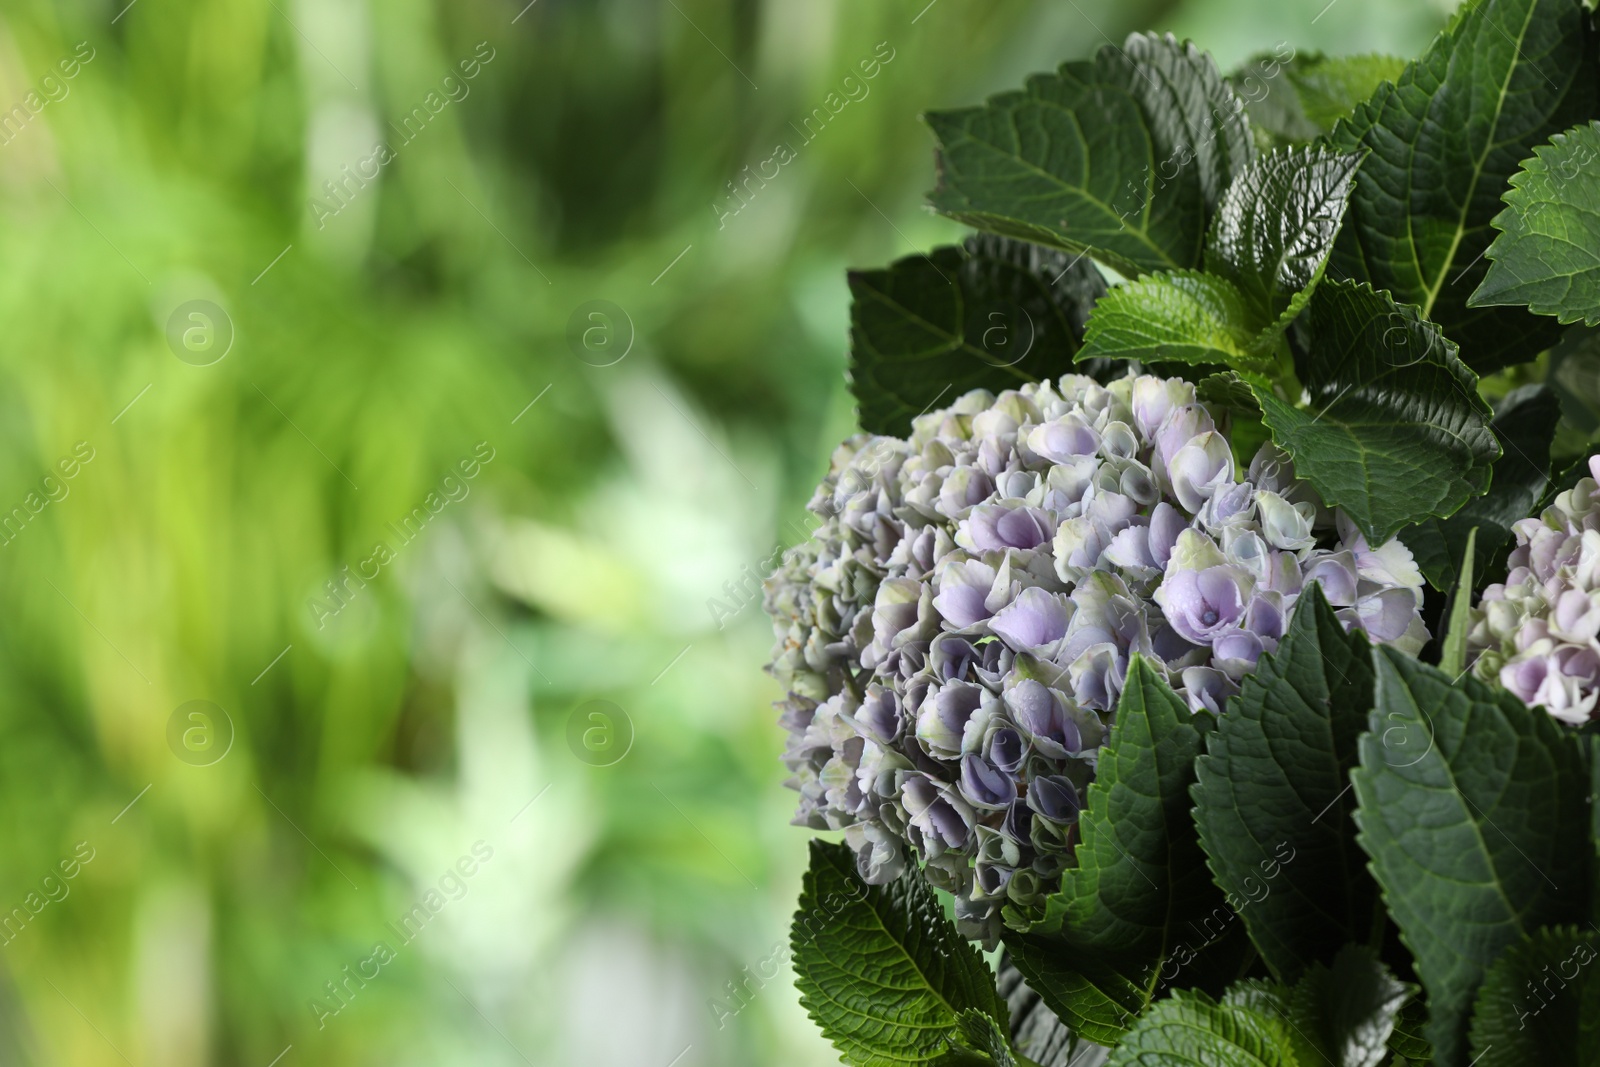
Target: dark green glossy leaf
[(992, 314), (1275, 227), (1408, 1041), (1122, 156), (1540, 1003), (1036, 1032), (1395, 431), (1138, 912), (982, 1033), (1272, 798), (1347, 1011), (1088, 992), (880, 969), (1444, 139), (1547, 256), (1140, 872), (1474, 811)]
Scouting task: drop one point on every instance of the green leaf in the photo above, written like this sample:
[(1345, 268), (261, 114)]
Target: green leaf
[(982, 1033), (1272, 793), (1123, 156), (991, 315), (1087, 991), (1407, 1042), (1274, 231), (1473, 809), (1540, 1003), (1525, 426), (1191, 1030), (1573, 373), (1453, 658), (1229, 390), (1141, 874), (1548, 253), (1036, 1032), (1444, 140), (880, 969), (1331, 87), (1348, 1011), (1301, 98), (1138, 910), (1396, 431), (1179, 316)]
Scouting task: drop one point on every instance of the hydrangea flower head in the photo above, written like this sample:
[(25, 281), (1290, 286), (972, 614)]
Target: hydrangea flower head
[(1535, 633), (956, 633)]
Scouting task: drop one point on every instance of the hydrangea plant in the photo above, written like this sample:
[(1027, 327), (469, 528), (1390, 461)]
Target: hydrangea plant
[(956, 634), (1207, 613)]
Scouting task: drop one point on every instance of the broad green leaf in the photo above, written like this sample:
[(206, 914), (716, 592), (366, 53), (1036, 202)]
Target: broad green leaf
[(1347, 1011), (1123, 156), (1087, 991), (1272, 799), (1180, 316), (992, 314), (1141, 874), (1191, 1030), (1548, 253), (1540, 1003), (1230, 391), (1299, 97), (1453, 657), (1525, 426), (1036, 1032), (1444, 139), (1138, 912), (1408, 1041), (880, 969), (982, 1033), (1473, 809), (1274, 230), (1395, 431)]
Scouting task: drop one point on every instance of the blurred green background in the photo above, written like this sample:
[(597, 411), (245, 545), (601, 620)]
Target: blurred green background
[(396, 833)]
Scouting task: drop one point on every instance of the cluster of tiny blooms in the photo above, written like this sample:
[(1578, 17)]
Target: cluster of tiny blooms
[(1536, 633), (955, 634)]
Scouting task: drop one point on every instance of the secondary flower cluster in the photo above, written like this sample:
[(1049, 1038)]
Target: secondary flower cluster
[(1536, 633), (955, 634)]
